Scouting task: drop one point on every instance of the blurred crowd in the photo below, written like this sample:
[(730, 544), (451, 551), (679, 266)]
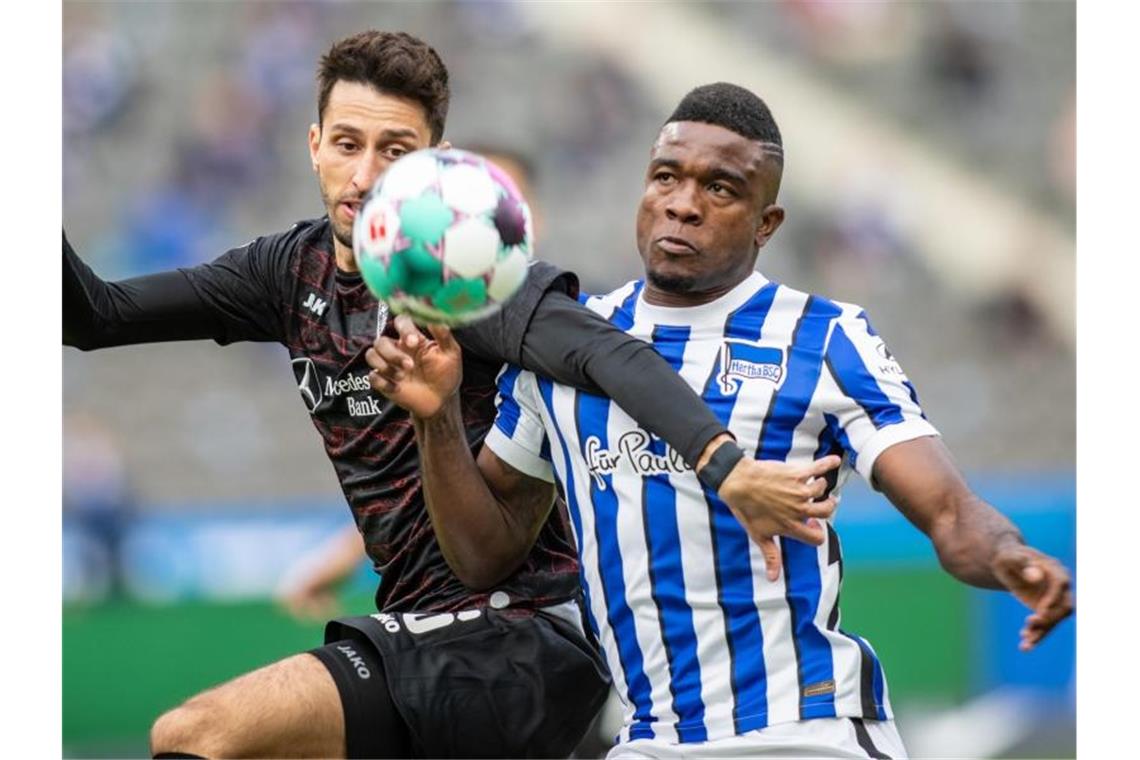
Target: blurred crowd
[(184, 130)]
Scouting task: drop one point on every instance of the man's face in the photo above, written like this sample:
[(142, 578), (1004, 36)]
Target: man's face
[(363, 131), (708, 206)]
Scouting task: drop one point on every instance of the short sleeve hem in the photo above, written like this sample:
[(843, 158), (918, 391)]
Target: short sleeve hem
[(517, 456), (888, 436)]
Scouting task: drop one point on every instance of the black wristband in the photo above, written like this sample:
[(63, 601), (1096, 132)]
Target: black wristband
[(720, 464)]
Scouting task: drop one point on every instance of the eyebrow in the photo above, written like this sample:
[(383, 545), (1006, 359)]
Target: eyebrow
[(387, 134), (716, 173)]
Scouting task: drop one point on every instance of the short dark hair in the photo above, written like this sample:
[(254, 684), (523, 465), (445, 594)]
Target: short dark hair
[(396, 63), (732, 107)]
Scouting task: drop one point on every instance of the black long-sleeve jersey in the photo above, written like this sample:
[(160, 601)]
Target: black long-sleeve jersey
[(287, 288)]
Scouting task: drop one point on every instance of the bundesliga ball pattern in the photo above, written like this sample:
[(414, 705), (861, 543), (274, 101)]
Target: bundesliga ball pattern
[(444, 236)]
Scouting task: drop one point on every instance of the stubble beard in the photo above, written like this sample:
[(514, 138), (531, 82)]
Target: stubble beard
[(672, 283), (342, 235)]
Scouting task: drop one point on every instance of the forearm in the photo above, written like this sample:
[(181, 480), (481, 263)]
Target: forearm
[(479, 537), (920, 478), (968, 537), (575, 346), (159, 307)]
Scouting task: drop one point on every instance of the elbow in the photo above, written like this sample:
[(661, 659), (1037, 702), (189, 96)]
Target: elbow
[(485, 571), (481, 578), (479, 582)]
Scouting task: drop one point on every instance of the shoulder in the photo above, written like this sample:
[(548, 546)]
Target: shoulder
[(817, 306), (301, 236)]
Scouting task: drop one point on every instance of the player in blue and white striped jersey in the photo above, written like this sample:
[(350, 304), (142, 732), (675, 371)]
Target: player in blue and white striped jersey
[(715, 656)]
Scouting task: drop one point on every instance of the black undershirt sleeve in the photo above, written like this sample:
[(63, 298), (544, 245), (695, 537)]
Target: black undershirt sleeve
[(226, 300), (575, 346), (148, 309), (545, 330)]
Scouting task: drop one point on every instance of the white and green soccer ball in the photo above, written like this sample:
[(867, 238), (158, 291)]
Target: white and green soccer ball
[(444, 236)]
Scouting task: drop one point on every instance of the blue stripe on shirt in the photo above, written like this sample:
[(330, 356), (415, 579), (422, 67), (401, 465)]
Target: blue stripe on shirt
[(730, 543), (546, 388), (508, 413), (858, 383), (592, 416), (802, 577), (663, 540), (622, 316)]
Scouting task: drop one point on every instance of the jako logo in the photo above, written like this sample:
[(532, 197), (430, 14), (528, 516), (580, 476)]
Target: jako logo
[(356, 660), (740, 361), (315, 305)]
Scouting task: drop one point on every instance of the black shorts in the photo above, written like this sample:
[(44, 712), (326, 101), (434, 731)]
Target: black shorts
[(481, 683)]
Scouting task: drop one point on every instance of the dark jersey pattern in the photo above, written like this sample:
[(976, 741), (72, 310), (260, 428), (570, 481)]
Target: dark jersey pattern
[(287, 288)]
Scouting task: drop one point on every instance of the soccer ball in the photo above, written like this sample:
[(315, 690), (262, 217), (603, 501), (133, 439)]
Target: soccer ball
[(443, 236)]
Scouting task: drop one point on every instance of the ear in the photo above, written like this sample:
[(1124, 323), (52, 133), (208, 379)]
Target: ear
[(770, 220), (314, 144), (444, 145)]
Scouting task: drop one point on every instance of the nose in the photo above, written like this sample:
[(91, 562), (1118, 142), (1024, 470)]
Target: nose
[(369, 166), (682, 207)]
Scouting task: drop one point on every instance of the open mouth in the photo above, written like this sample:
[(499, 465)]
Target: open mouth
[(351, 208)]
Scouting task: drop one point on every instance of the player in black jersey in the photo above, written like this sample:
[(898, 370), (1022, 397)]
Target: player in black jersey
[(441, 669)]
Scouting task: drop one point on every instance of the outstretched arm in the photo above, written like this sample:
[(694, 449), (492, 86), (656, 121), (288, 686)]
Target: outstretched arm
[(975, 543), (575, 346), (769, 498), (157, 307), (235, 297)]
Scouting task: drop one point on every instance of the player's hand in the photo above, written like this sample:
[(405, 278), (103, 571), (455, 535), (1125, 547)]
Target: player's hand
[(779, 499), (1041, 583), (416, 372), (310, 603)]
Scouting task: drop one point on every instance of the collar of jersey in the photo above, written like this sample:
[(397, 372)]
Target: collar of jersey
[(694, 315)]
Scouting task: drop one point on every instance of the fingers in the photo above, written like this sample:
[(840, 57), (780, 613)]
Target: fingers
[(821, 467), (811, 532), (410, 335), (1054, 599), (395, 354), (770, 548), (821, 509), (381, 384), (443, 337), (389, 366)]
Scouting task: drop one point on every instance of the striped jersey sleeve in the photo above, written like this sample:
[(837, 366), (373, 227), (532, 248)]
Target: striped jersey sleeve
[(518, 436), (865, 394)]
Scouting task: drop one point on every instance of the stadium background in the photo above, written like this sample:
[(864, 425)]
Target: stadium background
[(930, 177)]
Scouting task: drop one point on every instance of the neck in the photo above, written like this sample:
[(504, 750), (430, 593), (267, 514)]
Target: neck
[(656, 295), (345, 261)]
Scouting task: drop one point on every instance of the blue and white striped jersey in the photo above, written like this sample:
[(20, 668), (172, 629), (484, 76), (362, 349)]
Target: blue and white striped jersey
[(699, 642)]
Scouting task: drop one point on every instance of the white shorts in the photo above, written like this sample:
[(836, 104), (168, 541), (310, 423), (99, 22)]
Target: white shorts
[(819, 737)]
